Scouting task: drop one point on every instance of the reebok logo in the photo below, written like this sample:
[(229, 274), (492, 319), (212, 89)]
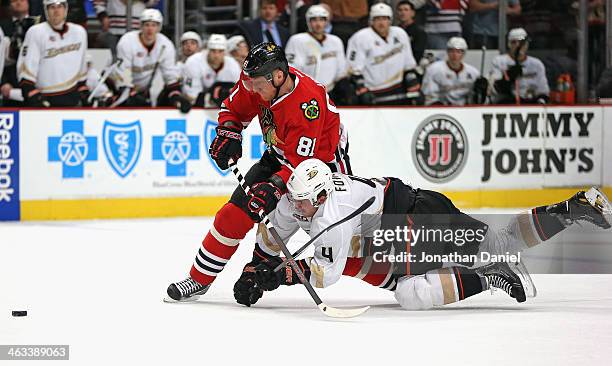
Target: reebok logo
[(6, 161)]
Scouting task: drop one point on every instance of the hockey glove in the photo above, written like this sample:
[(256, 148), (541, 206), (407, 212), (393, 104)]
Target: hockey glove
[(481, 86), (265, 197), (411, 81), (220, 91), (38, 100), (514, 72), (180, 102), (83, 96), (226, 145), (246, 291), (269, 280)]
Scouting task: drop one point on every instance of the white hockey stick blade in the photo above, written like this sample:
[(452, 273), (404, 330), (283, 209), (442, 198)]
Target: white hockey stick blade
[(341, 313), (125, 94)]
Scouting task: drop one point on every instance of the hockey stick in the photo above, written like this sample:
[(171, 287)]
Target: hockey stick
[(395, 97), (163, 48), (125, 94), (327, 310), (105, 74), (517, 87), (482, 60), (348, 217)]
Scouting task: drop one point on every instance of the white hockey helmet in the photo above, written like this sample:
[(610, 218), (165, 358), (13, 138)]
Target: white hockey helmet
[(309, 180), (457, 43), (216, 42), (193, 36), (517, 34), (316, 11), (152, 15), (233, 42), (46, 3), (381, 10)]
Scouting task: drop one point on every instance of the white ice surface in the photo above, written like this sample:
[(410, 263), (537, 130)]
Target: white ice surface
[(98, 286)]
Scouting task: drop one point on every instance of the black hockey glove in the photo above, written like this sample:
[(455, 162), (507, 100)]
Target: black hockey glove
[(514, 72), (269, 280), (38, 100), (265, 196), (542, 99), (180, 102), (481, 86), (84, 96), (246, 291), (411, 81), (220, 91), (226, 145)]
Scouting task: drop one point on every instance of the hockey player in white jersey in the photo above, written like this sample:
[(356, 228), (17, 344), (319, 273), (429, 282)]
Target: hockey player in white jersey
[(318, 54), (318, 198), (145, 52), (51, 67), (238, 48), (380, 60), (452, 81), (209, 75), (523, 82), (191, 43)]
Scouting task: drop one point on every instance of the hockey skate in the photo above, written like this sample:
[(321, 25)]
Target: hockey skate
[(592, 206), (186, 290), (504, 276)]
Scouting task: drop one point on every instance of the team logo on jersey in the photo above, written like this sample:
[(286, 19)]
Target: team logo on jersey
[(209, 135), (311, 110), (122, 145), (268, 127), (139, 54), (440, 148)]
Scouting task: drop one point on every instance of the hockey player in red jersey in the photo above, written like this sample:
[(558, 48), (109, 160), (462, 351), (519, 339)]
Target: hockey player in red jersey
[(298, 122)]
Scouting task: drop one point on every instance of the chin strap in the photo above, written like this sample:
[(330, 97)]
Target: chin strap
[(285, 75)]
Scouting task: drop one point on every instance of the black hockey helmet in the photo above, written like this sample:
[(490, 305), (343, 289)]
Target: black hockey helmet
[(265, 58)]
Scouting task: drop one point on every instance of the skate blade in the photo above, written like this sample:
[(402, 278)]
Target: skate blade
[(191, 299), (600, 201), (528, 285)]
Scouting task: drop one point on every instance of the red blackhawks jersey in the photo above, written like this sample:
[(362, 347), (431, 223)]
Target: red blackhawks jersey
[(299, 125)]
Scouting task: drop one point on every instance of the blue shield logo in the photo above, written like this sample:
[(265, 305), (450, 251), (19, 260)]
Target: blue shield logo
[(209, 136), (122, 143)]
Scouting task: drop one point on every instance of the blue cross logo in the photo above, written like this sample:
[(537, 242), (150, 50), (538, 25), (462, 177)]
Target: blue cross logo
[(176, 148), (73, 148)]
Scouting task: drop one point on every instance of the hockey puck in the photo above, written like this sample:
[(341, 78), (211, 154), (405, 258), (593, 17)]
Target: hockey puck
[(20, 313)]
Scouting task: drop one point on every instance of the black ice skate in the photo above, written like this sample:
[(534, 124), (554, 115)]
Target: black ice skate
[(185, 290), (592, 206), (500, 275)]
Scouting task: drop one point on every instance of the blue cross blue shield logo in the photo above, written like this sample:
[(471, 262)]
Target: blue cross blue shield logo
[(209, 135), (72, 148), (176, 148), (122, 143)]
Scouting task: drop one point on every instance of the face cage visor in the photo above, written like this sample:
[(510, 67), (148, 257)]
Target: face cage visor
[(253, 84)]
